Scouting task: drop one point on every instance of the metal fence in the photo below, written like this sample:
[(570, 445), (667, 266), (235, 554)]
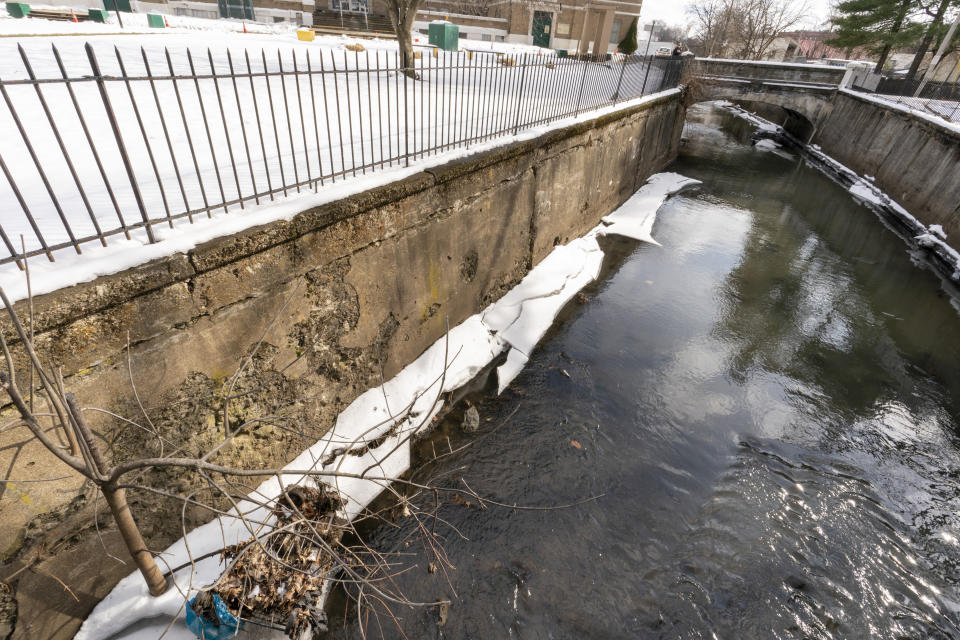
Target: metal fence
[(102, 146), (941, 99)]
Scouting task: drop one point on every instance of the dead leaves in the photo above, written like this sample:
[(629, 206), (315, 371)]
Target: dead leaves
[(576, 445)]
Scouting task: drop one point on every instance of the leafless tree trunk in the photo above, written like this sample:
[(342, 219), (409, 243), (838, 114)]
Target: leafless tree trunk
[(744, 29), (403, 13), (86, 457)]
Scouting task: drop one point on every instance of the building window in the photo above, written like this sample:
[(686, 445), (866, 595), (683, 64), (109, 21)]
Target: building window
[(278, 18), (501, 39), (487, 38), (180, 11), (353, 6), (615, 32)]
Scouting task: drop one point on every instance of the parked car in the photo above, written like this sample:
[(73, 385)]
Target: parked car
[(664, 52)]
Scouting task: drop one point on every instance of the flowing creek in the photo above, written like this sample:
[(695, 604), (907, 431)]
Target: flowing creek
[(768, 405)]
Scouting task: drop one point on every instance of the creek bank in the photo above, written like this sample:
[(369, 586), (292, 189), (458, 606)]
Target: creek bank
[(928, 242), (368, 434)]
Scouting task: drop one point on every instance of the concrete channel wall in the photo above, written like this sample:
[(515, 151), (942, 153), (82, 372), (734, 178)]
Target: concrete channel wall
[(913, 159), (341, 294)]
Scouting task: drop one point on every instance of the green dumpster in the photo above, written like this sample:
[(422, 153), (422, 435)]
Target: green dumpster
[(98, 15), (444, 35), (117, 5), (562, 53), (18, 9), (155, 20)]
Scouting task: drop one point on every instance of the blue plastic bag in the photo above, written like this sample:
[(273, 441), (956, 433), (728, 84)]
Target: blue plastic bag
[(210, 630)]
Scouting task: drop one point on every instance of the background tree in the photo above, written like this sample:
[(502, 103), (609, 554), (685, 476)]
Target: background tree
[(402, 14), (935, 29), (711, 20), (629, 43), (743, 29), (881, 26)]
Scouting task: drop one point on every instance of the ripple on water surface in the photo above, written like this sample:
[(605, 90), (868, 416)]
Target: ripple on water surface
[(769, 404)]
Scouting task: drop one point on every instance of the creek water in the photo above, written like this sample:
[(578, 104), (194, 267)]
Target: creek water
[(768, 405)]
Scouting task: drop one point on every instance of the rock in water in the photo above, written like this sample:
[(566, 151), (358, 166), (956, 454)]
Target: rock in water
[(471, 420)]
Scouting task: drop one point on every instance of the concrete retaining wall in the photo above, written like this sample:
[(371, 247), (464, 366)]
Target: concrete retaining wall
[(914, 160), (340, 294)]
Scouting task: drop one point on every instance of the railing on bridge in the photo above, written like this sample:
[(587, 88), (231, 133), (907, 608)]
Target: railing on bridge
[(105, 146)]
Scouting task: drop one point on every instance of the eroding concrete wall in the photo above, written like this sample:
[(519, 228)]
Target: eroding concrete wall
[(914, 160), (339, 296)]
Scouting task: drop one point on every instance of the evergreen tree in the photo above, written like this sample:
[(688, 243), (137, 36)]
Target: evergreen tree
[(879, 25), (629, 43), (934, 29)]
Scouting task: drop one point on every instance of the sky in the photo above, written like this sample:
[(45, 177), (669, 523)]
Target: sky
[(675, 12)]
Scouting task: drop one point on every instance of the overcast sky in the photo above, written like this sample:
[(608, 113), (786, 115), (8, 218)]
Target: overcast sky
[(675, 12)]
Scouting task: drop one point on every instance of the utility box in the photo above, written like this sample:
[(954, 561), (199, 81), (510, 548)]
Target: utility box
[(18, 9), (155, 20), (444, 35), (98, 15)]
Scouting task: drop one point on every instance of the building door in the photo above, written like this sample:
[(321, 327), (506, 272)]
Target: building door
[(540, 30)]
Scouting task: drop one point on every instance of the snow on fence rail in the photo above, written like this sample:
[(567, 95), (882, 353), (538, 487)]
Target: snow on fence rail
[(127, 143)]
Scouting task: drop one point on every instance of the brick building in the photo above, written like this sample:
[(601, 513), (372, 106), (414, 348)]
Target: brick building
[(587, 26)]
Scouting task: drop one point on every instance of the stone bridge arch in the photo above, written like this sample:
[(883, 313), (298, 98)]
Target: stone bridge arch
[(804, 93)]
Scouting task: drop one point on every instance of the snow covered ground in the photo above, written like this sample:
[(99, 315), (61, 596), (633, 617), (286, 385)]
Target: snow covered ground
[(517, 322), (209, 141)]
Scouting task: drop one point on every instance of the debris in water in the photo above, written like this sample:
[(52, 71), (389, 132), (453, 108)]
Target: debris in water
[(443, 610), (471, 420), (281, 575), (575, 444)]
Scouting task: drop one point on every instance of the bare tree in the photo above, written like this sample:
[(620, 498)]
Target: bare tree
[(402, 14), (743, 29)]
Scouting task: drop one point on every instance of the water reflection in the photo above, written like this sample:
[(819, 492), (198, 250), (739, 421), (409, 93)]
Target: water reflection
[(768, 404)]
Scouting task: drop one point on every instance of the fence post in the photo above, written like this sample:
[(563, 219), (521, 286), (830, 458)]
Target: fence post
[(101, 85), (523, 78), (583, 80), (623, 67)]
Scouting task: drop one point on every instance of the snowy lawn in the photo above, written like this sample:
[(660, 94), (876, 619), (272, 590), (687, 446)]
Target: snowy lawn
[(212, 145)]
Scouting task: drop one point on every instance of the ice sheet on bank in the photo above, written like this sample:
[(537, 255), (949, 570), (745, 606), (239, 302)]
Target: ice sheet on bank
[(523, 316), (636, 217)]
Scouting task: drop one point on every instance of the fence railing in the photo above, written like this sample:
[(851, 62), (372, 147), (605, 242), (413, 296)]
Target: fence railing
[(102, 146), (941, 99)]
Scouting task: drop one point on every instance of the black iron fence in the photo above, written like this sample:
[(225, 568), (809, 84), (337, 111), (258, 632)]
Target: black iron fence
[(941, 99), (107, 145)]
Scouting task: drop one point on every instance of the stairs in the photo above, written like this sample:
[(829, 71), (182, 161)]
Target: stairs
[(327, 20)]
